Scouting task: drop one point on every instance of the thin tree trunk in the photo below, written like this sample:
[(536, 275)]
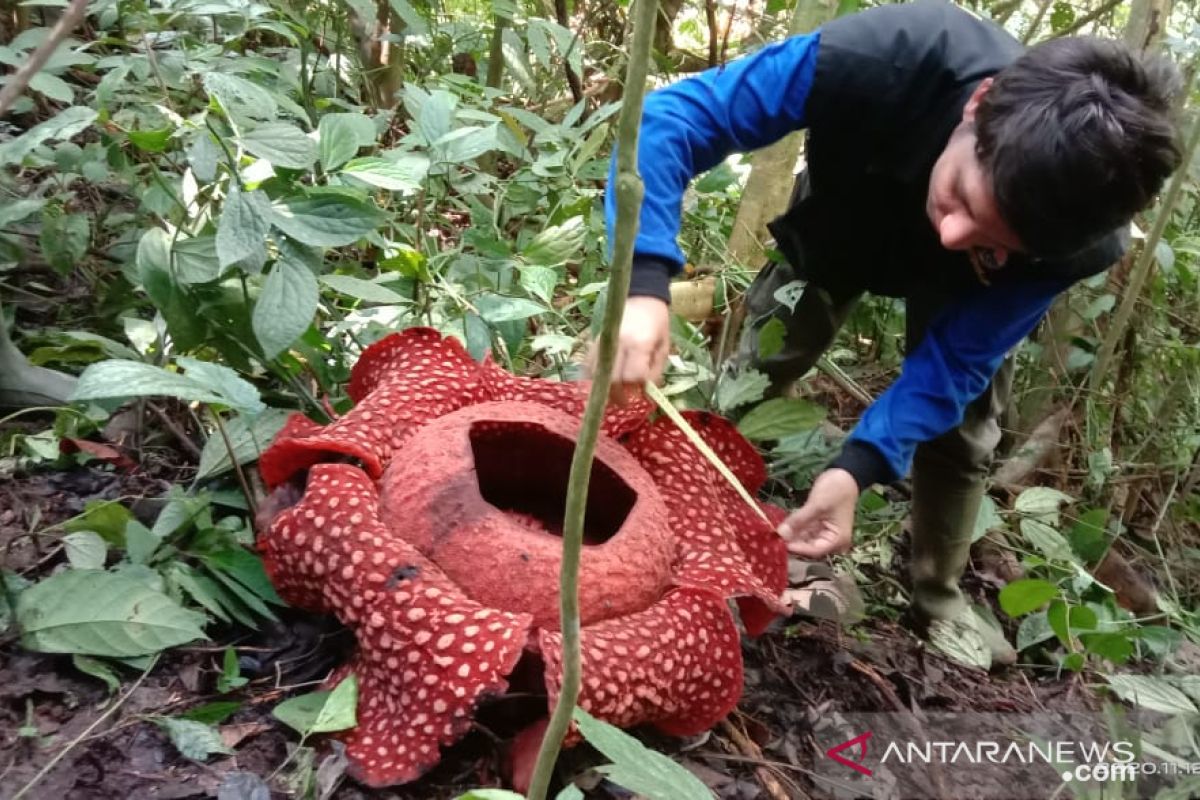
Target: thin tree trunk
[(496, 53), (714, 33), (629, 191), (564, 19)]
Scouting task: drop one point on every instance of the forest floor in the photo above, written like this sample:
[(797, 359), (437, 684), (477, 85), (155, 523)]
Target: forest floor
[(800, 673)]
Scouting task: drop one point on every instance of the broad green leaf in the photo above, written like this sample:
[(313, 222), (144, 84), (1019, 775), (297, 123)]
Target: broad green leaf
[(52, 86), (1026, 595), (247, 568), (105, 517), (539, 281), (1153, 693), (196, 259), (102, 614), (1115, 646), (286, 306), (85, 549), (192, 739), (747, 386), (556, 244), (403, 174), (98, 669), (321, 712), (1034, 629), (62, 126), (140, 542), (1041, 503), (64, 240), (771, 338), (1057, 615), (433, 111), (780, 417), (240, 98), (118, 378), (465, 144), (366, 291), (213, 713), (151, 141), (282, 144), (209, 594), (987, 519), (235, 391), (243, 227), (1049, 542), (326, 220), (496, 309), (341, 136), (1088, 537), (636, 767), (18, 210), (249, 435)]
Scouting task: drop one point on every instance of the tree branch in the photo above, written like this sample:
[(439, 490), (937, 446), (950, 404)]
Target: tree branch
[(17, 84)]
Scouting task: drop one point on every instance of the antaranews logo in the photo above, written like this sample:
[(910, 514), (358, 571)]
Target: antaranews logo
[(860, 742)]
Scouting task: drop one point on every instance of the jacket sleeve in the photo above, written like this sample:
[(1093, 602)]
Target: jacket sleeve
[(691, 126), (959, 354)]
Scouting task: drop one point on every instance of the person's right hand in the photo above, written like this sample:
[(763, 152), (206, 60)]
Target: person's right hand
[(643, 342)]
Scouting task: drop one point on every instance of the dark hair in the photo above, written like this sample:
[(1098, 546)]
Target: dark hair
[(1078, 135)]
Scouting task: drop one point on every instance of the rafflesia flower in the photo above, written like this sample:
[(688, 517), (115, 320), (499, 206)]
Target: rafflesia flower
[(429, 524)]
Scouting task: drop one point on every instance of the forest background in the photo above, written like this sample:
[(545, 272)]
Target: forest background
[(443, 164)]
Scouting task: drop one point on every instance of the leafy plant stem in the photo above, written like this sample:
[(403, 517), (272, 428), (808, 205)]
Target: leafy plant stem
[(74, 742), (629, 191), (233, 167), (237, 468)]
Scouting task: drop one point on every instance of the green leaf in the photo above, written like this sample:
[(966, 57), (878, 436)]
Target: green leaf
[(102, 614), (404, 174), (1046, 540), (106, 517), (1116, 646), (247, 568), (286, 306), (987, 519), (213, 713), (236, 392), (491, 794), (97, 669), (61, 126), (85, 550), (325, 220), (367, 291), (240, 98), (231, 674), (556, 244), (433, 111), (282, 144), (539, 281), (192, 739), (1028, 594), (570, 792), (636, 767), (52, 86), (321, 712), (341, 136), (118, 378), (466, 143), (1155, 694), (780, 417), (1041, 503), (1057, 615), (1034, 629), (140, 542), (17, 210), (747, 386), (242, 230), (151, 141), (64, 240), (196, 259), (496, 309), (1088, 537), (209, 594), (249, 435), (771, 337)]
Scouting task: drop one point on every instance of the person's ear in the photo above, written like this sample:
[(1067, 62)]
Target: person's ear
[(976, 96)]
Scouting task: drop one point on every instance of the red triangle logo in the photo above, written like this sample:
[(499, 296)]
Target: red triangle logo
[(859, 741)]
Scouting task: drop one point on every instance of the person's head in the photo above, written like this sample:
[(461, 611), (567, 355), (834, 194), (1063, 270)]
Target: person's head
[(1058, 149)]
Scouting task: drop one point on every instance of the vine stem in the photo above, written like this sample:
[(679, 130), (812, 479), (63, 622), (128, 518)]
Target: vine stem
[(629, 203)]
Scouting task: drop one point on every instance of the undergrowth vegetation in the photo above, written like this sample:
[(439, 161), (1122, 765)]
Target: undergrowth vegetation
[(210, 208)]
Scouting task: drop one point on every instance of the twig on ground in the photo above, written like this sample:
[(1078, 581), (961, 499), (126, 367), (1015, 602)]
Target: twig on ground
[(765, 773), (176, 431)]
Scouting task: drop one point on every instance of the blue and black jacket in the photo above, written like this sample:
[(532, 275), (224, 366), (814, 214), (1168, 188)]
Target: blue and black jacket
[(879, 94)]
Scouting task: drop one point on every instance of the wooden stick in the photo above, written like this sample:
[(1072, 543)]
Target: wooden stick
[(20, 81)]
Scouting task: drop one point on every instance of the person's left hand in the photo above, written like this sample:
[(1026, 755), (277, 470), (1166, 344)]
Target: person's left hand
[(825, 523)]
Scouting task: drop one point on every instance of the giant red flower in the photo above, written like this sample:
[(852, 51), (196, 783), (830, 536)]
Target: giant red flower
[(430, 522)]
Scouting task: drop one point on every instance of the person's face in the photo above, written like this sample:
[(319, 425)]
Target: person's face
[(961, 205)]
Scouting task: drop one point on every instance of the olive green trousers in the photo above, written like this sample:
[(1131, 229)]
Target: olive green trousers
[(948, 472)]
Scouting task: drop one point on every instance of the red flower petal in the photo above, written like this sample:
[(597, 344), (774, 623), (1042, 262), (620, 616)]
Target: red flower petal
[(570, 397), (427, 653), (677, 664), (400, 382), (734, 450), (709, 520)]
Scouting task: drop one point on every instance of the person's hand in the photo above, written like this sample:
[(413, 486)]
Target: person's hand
[(825, 523), (643, 343)]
